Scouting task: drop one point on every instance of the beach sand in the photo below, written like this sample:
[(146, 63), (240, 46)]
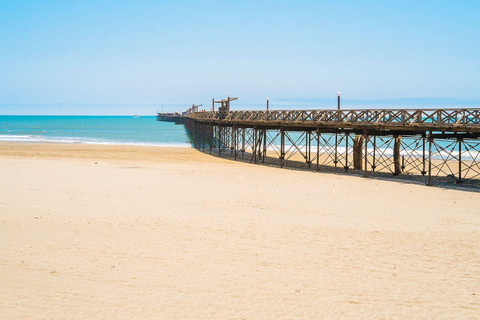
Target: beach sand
[(123, 232)]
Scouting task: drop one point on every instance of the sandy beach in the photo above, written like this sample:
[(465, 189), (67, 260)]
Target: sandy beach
[(124, 232)]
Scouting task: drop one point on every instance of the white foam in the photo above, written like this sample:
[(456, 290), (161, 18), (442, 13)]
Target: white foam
[(44, 139)]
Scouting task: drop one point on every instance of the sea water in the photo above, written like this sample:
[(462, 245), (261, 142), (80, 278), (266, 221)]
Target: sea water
[(116, 130)]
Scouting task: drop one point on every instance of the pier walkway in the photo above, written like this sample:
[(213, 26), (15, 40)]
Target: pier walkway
[(435, 143)]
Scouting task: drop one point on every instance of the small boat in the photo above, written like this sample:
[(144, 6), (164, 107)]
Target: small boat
[(135, 116)]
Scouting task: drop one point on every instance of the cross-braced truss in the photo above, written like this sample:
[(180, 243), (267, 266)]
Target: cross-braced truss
[(414, 155), (444, 158), (470, 160)]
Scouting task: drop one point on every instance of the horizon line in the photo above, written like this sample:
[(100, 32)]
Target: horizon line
[(250, 100)]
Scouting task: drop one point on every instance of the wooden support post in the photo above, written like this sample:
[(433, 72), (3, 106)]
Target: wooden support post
[(192, 135), (346, 152), (200, 136), (282, 147), (336, 150), (243, 142), (225, 139), (199, 139), (255, 151), (396, 156), (222, 138), (234, 142), (309, 146), (264, 145), (460, 140), (212, 138), (318, 151), (306, 147), (254, 147), (430, 138), (230, 140), (219, 141), (365, 156), (374, 150), (259, 144), (357, 152), (423, 154), (195, 133), (204, 131)]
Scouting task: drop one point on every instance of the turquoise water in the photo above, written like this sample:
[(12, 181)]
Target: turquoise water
[(93, 129)]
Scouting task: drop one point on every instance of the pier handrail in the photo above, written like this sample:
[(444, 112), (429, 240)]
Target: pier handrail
[(469, 118)]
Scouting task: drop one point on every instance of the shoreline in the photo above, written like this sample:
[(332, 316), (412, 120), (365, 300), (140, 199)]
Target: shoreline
[(386, 151), (133, 144), (112, 143)]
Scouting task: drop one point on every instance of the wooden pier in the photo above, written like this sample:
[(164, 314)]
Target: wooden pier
[(440, 144), (178, 118)]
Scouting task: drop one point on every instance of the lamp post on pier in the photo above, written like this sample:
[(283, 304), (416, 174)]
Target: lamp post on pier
[(267, 103), (338, 93)]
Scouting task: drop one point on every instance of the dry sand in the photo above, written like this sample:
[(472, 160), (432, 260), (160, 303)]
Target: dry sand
[(92, 232)]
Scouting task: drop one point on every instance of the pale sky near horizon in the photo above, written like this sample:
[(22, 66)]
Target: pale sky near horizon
[(141, 52)]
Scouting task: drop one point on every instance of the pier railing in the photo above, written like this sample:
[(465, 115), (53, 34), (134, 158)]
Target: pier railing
[(466, 120)]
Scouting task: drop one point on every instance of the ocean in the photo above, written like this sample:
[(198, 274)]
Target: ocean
[(114, 130)]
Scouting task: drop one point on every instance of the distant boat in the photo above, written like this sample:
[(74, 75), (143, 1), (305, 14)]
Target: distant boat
[(135, 116)]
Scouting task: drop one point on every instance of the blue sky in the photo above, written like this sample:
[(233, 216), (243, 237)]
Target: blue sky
[(111, 57)]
